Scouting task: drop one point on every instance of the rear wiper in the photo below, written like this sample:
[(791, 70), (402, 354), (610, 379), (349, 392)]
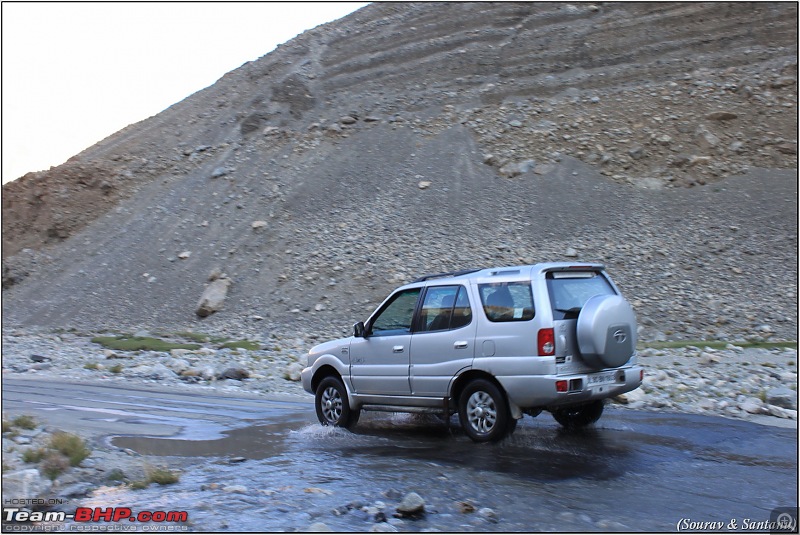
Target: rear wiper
[(571, 313)]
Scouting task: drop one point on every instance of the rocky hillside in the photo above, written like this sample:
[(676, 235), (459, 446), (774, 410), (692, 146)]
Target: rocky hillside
[(658, 138)]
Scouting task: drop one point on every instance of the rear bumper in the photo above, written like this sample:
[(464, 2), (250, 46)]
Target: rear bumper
[(539, 391)]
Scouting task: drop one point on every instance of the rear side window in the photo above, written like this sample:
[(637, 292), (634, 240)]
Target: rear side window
[(569, 291), (507, 301), (445, 307)]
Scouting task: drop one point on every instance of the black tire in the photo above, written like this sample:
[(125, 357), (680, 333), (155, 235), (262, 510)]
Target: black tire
[(332, 405), (483, 411), (579, 416)]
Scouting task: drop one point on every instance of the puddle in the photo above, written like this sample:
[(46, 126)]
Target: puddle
[(254, 442)]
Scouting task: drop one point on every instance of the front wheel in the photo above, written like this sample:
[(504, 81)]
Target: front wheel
[(483, 411), (580, 416), (332, 405)]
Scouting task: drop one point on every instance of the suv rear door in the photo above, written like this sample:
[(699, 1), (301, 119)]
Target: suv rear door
[(443, 339), (569, 290)]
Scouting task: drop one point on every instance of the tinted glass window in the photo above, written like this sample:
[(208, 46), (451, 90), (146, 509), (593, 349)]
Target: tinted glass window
[(397, 315), (507, 301), (569, 291), (445, 307)]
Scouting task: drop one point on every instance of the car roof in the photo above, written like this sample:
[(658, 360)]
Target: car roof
[(526, 271)]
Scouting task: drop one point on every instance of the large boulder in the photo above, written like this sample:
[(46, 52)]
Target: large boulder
[(213, 297), (27, 484), (782, 397)]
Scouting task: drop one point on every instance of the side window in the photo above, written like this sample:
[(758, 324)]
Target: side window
[(507, 301), (397, 315), (445, 307)]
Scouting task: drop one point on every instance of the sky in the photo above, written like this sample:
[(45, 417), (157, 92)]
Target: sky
[(75, 73)]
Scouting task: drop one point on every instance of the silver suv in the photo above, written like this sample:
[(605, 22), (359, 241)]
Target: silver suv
[(490, 344)]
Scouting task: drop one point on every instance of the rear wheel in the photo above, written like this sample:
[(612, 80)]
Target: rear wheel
[(580, 416), (332, 405), (483, 412)]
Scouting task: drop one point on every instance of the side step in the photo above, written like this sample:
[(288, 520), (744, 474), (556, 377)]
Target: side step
[(400, 408), (443, 410)]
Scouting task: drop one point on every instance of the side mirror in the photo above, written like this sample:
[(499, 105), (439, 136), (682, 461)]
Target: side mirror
[(358, 330)]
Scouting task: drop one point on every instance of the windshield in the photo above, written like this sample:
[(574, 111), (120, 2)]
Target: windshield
[(569, 291)]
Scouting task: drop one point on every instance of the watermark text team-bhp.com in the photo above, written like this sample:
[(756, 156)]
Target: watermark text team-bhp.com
[(87, 518)]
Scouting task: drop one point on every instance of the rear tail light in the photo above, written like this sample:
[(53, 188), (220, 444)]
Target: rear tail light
[(561, 386), (546, 342)]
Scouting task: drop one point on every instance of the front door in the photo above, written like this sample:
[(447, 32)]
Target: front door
[(379, 363)]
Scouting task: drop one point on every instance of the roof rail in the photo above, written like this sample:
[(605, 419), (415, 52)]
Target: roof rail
[(448, 274)]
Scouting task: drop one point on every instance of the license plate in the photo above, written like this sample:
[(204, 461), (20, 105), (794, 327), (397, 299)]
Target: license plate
[(602, 379)]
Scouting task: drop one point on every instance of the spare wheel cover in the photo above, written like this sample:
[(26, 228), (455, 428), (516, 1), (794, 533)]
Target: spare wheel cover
[(606, 331)]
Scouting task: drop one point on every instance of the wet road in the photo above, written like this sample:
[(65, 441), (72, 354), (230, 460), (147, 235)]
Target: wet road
[(633, 471)]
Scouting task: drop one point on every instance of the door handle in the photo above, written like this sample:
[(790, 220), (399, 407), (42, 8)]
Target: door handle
[(460, 345), (397, 349)]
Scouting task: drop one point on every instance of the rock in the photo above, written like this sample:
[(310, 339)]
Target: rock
[(466, 507), (177, 365), (25, 484), (706, 404), (783, 81), (637, 152), (76, 490), (721, 116), (256, 225), (752, 406), (510, 170), (333, 129), (234, 373), (780, 412), (39, 358), (383, 527), (699, 160), (782, 397), (219, 172), (543, 169), (213, 297), (424, 184), (488, 514), (348, 119), (631, 397), (318, 527), (571, 253), (292, 372), (156, 371), (184, 255), (235, 489), (412, 505), (705, 139)]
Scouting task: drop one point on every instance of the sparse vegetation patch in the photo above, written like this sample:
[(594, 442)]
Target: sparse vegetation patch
[(140, 343)]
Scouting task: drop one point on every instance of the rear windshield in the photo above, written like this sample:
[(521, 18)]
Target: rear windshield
[(569, 291)]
